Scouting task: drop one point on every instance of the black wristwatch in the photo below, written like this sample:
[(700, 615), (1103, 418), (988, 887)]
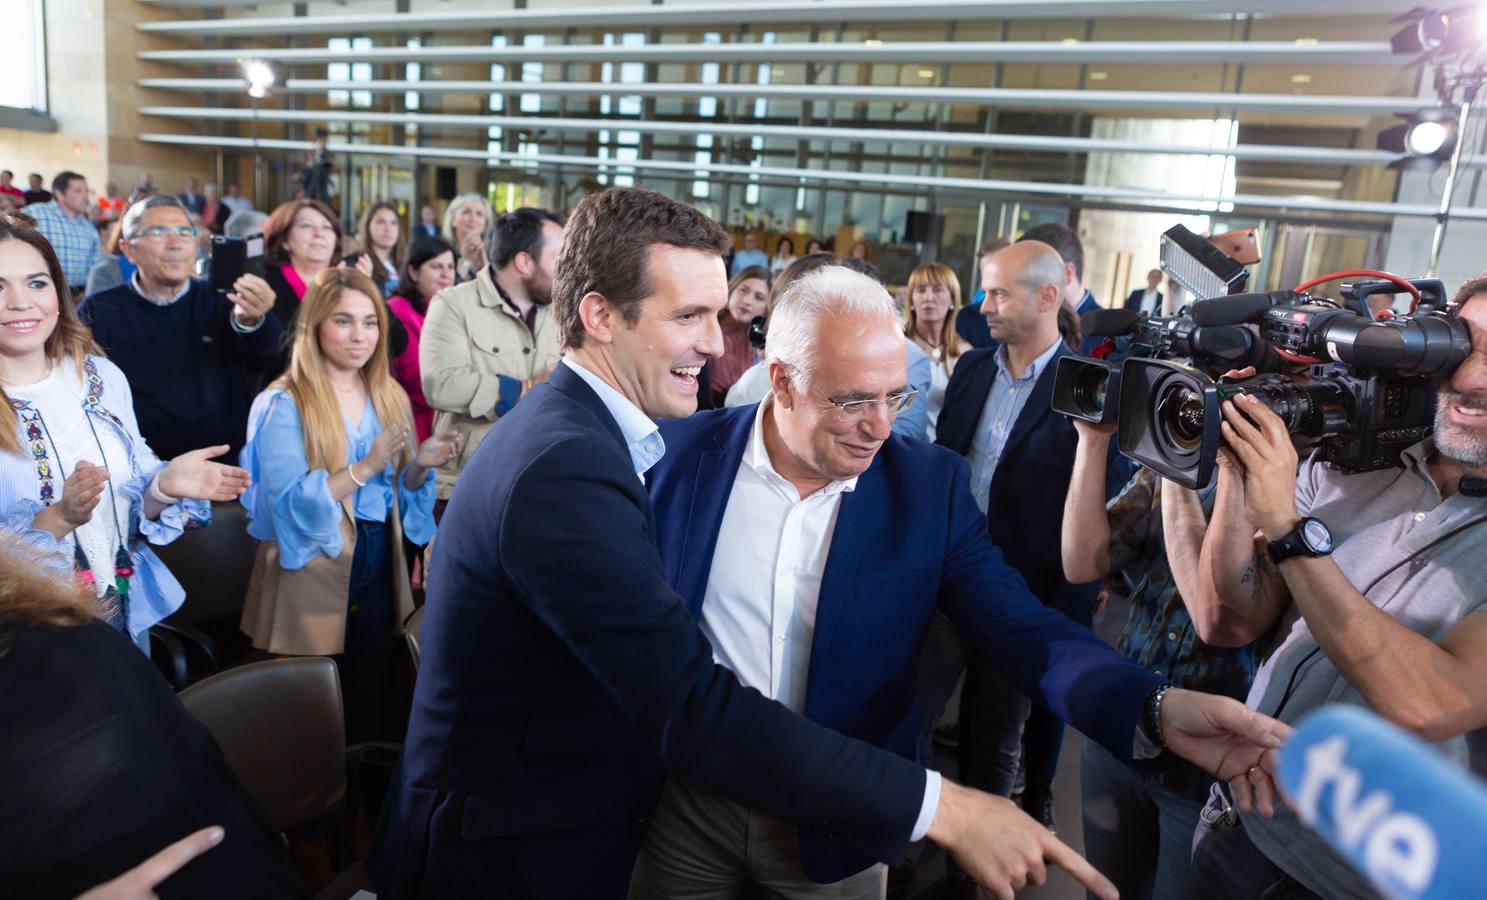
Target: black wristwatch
[(1310, 538)]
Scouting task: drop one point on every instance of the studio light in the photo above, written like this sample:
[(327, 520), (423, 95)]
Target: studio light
[(260, 77), (1426, 139), (1440, 31)]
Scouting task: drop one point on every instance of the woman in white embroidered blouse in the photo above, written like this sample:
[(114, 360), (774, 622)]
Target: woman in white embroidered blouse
[(77, 481)]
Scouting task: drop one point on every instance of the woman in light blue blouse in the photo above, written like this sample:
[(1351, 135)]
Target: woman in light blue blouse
[(335, 487), (78, 484)]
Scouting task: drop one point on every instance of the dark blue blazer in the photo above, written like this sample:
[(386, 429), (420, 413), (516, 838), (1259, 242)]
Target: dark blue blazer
[(560, 673), (1025, 509), (909, 539), (1134, 300), (971, 325)]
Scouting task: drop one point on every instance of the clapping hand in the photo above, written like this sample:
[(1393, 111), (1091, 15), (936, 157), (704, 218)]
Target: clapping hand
[(139, 882), (81, 493), (193, 475), (439, 449), (385, 448)]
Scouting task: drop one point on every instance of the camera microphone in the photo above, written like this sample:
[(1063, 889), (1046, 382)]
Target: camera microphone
[(1108, 322), (1237, 309)]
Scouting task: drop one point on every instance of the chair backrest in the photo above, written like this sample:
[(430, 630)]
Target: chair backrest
[(411, 630), (213, 564), (279, 724)]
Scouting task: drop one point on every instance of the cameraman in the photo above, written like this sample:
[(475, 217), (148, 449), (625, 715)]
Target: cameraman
[(1138, 827), (1411, 644)]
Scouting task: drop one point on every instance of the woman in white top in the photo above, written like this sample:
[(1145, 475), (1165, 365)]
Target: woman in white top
[(784, 255), (934, 296), (78, 483)]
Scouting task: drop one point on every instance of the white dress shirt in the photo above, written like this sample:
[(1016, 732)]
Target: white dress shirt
[(642, 437), (759, 609)]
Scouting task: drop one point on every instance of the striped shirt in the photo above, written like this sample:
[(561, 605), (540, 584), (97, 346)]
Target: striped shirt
[(73, 237)]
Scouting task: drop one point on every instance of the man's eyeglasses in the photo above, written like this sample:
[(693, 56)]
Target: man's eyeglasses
[(857, 410), (161, 233)]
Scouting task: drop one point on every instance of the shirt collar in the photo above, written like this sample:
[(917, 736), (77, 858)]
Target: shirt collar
[(756, 457), (135, 283), (642, 437), (1035, 371)]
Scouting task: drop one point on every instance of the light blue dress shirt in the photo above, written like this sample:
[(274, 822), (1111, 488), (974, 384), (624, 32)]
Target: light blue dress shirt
[(290, 503), (1004, 403), (642, 437), (744, 259)]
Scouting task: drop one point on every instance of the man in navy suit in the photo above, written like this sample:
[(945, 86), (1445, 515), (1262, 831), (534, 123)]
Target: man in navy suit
[(560, 673), (1022, 456), (813, 547), (1148, 301)]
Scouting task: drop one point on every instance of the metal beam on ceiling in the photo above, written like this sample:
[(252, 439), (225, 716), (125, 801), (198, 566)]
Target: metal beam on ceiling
[(1146, 53), (976, 139), (731, 13), (1161, 202), (1026, 98)]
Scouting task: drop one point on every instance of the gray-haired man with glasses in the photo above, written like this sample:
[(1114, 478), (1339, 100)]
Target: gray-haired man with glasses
[(192, 355), (814, 547)]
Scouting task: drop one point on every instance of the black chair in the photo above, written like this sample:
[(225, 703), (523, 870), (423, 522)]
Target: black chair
[(213, 564), (279, 723), (411, 630)]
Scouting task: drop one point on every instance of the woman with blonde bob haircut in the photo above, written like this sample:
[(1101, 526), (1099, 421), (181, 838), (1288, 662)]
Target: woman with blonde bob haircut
[(468, 223), (335, 487), (934, 296)]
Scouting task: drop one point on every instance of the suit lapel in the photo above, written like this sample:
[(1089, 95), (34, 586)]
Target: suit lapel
[(962, 424), (712, 483), (854, 522)]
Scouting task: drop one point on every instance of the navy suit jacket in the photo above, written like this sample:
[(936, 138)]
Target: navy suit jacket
[(560, 673), (1134, 301), (1025, 509), (909, 539)]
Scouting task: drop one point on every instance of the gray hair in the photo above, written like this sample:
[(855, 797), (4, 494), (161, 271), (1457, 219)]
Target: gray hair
[(828, 291), (244, 222), (1041, 270), (129, 228)]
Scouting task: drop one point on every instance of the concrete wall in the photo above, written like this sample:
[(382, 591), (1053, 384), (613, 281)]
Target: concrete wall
[(91, 70)]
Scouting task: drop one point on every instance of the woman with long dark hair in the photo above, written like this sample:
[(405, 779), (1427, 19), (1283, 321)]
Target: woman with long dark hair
[(380, 236), (427, 270), (78, 484)]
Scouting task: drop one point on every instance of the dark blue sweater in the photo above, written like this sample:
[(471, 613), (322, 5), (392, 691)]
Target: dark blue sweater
[(192, 374)]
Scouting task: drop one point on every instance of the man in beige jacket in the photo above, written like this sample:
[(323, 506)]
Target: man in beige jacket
[(487, 341)]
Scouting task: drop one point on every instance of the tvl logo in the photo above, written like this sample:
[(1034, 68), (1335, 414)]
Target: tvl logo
[(1394, 848)]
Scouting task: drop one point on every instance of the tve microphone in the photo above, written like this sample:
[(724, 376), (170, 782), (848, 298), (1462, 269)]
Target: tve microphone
[(1108, 322), (1237, 309), (1405, 816)]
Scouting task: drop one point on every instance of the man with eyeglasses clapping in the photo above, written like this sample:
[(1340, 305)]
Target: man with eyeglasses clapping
[(191, 354)]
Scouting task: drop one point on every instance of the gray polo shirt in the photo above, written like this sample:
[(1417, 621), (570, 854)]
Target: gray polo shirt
[(1377, 519)]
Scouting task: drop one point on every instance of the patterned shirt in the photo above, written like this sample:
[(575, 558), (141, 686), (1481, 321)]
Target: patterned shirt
[(1159, 634), (73, 237)]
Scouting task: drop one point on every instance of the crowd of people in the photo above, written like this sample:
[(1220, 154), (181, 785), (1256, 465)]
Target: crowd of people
[(852, 505)]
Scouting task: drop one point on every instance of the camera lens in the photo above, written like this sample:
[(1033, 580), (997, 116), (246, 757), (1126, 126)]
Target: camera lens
[(1091, 389), (1180, 418)]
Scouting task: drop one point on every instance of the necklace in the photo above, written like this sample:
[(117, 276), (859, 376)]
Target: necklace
[(40, 436)]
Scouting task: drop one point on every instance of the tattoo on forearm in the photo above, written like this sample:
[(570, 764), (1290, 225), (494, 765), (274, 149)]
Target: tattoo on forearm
[(1253, 580)]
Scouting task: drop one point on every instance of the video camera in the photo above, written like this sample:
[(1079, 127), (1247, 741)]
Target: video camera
[(1089, 389), (1372, 392)]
